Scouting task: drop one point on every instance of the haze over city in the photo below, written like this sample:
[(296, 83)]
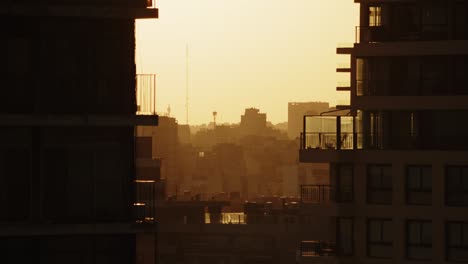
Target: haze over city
[(262, 53), (316, 134)]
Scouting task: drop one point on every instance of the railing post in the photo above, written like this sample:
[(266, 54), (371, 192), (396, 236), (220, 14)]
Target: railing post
[(302, 200), (304, 132), (354, 133), (338, 132)]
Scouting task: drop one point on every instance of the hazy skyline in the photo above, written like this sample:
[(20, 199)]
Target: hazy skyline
[(245, 53)]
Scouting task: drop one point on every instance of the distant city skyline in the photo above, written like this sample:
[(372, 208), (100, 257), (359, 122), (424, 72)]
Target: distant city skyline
[(244, 54)]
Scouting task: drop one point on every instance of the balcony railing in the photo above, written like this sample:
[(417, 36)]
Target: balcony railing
[(326, 194), (317, 248), (373, 34), (372, 87), (146, 94), (330, 132), (144, 206), (331, 141), (321, 194)]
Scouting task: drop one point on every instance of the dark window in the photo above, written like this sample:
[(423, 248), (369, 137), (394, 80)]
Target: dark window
[(379, 184), (419, 185), (380, 238), (456, 185), (457, 241), (14, 185), (345, 188), (418, 239), (345, 236)]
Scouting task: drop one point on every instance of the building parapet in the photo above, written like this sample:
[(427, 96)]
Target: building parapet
[(77, 10), (78, 120)]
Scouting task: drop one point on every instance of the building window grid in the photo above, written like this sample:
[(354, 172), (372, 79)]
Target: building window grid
[(345, 236), (422, 241), (456, 185), (375, 16), (458, 243), (383, 240), (381, 186), (423, 183), (345, 183)]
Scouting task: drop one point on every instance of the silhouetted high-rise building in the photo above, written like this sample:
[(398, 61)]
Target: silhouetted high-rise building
[(399, 160), (296, 112), (67, 118), (252, 122)]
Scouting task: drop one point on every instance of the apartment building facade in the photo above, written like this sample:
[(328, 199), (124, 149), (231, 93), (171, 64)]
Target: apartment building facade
[(67, 127), (399, 159)]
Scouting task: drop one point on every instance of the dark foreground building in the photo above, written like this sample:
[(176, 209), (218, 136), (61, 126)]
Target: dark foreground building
[(399, 160), (67, 115)]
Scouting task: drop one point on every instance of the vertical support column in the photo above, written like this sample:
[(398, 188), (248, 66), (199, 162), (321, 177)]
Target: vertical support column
[(36, 190), (338, 132), (303, 134), (355, 135)]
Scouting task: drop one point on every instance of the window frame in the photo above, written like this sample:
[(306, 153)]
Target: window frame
[(338, 233), (370, 189), (420, 188), (463, 224), (421, 244), (460, 189), (339, 196), (380, 243)]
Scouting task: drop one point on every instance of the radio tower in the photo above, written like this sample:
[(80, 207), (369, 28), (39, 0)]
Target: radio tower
[(186, 84)]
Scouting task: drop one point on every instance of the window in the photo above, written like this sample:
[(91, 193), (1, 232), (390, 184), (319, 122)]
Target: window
[(379, 184), (434, 21), (457, 241), (345, 236), (375, 16), (345, 190), (418, 239), (14, 184), (380, 238), (419, 185), (456, 185)]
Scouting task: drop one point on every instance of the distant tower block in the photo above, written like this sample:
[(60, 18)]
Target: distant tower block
[(214, 118)]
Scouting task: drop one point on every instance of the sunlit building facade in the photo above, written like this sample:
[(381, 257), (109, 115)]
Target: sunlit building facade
[(399, 159), (68, 187)]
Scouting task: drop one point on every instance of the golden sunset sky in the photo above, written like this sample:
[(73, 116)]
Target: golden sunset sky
[(245, 53)]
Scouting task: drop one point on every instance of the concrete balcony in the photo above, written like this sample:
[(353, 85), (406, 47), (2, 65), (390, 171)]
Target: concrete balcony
[(343, 86), (345, 48), (343, 67)]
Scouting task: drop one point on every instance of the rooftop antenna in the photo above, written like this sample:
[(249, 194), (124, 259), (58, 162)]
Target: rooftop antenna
[(169, 110), (214, 118), (186, 84)]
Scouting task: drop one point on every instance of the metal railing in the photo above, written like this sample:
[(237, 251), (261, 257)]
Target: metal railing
[(318, 140), (312, 193), (373, 34), (146, 94), (372, 87), (226, 218), (317, 248), (144, 206), (367, 34)]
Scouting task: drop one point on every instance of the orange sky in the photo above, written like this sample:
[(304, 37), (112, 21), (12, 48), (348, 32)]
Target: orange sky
[(245, 53)]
